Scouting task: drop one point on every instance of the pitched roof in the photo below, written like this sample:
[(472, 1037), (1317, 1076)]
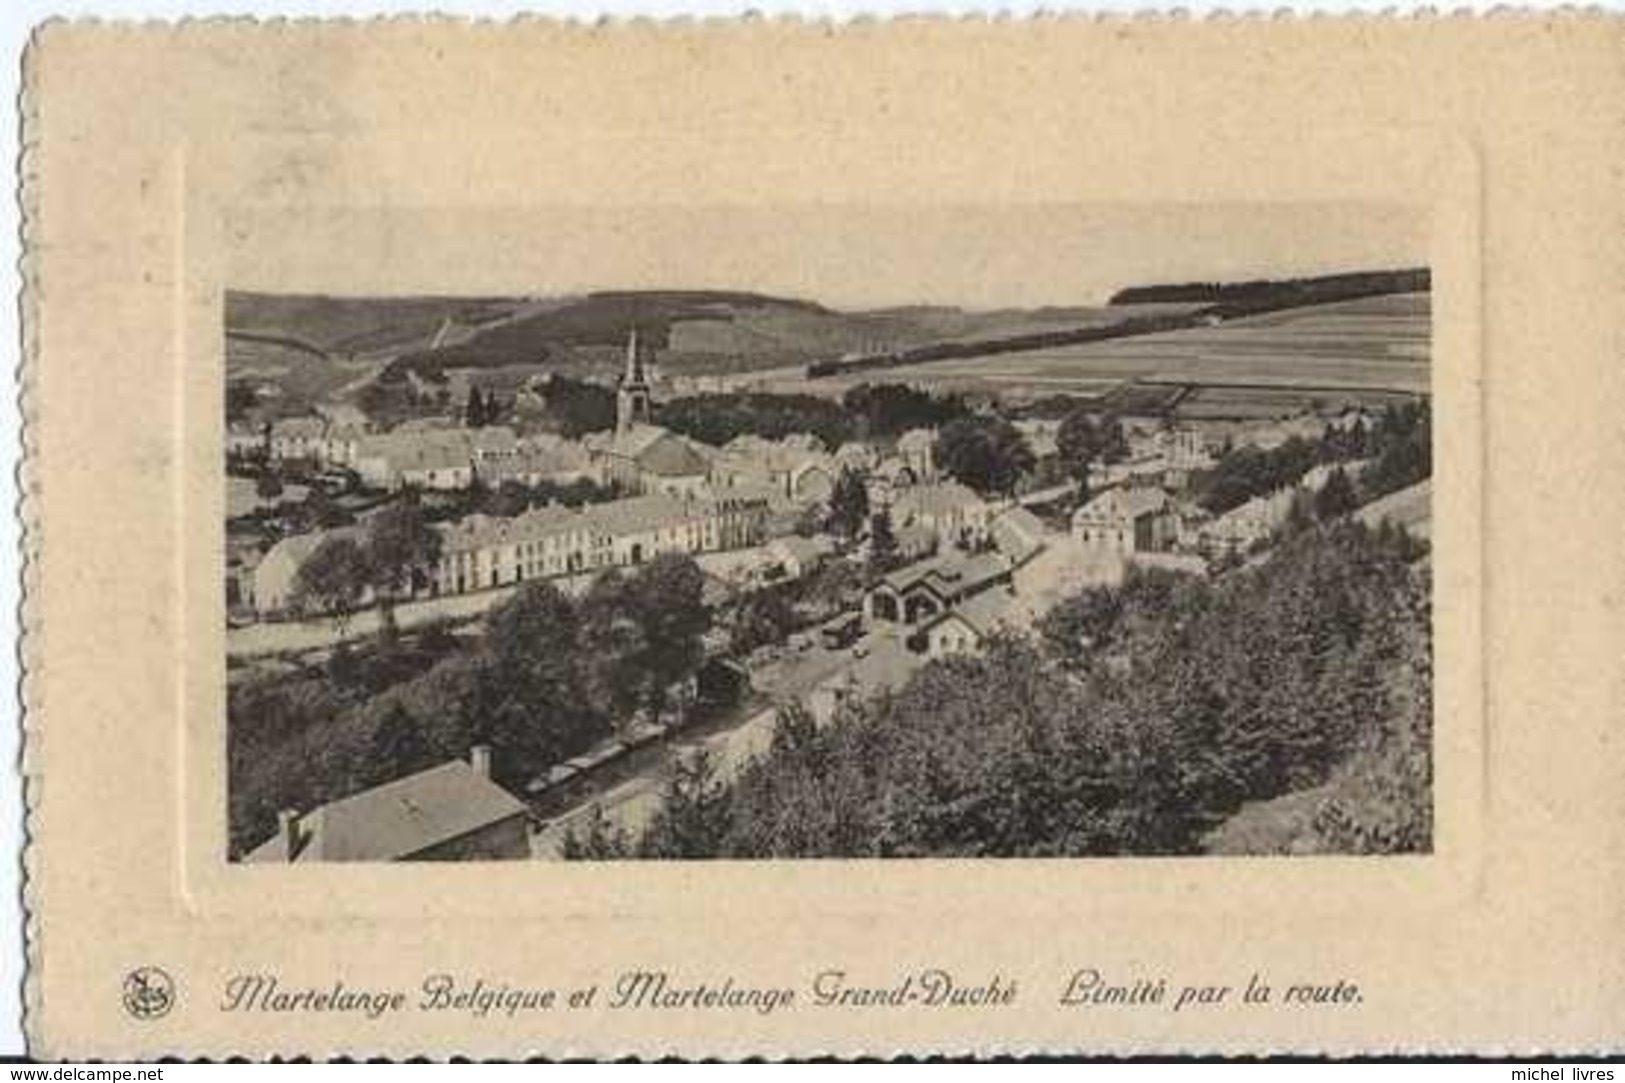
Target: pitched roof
[(671, 458), (493, 438), (398, 819), (641, 513), (950, 573), (296, 427), (1123, 503), (418, 449), (1019, 518), (297, 548), (1018, 531), (804, 549), (544, 461), (634, 441), (940, 498), (983, 612), (482, 531)]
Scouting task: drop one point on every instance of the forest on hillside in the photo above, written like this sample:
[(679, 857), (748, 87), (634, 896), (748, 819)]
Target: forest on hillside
[(1137, 722), (1280, 292)]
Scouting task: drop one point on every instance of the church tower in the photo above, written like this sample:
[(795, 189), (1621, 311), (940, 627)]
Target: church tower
[(632, 397)]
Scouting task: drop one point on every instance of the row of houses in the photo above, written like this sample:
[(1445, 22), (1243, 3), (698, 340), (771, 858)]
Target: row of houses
[(1134, 522), (479, 552)]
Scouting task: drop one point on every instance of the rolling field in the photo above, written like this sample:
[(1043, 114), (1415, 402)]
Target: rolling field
[(1377, 344)]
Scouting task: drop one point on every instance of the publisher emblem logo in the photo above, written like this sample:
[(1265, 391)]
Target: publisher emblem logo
[(149, 993)]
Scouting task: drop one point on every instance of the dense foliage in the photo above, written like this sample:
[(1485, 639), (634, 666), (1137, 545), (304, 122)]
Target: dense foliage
[(882, 410), (985, 452), (1247, 472), (1084, 439), (1141, 719), (716, 419), (578, 407), (1279, 293), (1398, 446), (549, 678)]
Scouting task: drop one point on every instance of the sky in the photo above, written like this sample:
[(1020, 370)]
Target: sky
[(840, 256)]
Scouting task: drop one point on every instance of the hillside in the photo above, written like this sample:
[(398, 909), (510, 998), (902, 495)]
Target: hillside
[(309, 347), (299, 350), (355, 325)]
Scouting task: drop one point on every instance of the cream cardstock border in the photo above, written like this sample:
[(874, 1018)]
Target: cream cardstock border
[(149, 147)]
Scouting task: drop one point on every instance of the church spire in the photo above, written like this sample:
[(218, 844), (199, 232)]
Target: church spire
[(632, 405), (634, 359)]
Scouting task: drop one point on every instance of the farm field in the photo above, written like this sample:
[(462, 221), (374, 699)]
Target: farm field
[(1378, 344)]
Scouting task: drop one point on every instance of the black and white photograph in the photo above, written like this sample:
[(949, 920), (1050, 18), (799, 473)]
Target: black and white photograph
[(1094, 531)]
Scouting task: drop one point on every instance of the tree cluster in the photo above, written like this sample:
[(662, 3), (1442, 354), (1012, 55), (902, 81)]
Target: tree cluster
[(882, 410), (985, 452), (1085, 439), (483, 409), (579, 407), (1260, 294), (1398, 447), (716, 419)]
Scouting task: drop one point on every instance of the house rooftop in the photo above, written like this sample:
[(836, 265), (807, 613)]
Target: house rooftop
[(939, 498), (983, 612), (297, 548), (398, 819), (1125, 503), (952, 573), (309, 427)]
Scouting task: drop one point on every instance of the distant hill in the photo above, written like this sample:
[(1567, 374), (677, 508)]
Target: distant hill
[(316, 346), (342, 326), (306, 349)]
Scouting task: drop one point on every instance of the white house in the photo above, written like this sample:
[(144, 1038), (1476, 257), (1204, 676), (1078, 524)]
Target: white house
[(1126, 521)]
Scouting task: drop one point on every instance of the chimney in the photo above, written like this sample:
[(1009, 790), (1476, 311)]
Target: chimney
[(480, 758), (287, 822)]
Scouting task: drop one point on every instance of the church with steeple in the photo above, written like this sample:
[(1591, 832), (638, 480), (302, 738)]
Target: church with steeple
[(639, 456)]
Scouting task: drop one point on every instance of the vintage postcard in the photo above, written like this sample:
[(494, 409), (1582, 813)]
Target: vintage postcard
[(771, 539)]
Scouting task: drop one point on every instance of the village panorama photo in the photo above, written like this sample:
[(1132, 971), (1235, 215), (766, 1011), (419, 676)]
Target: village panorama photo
[(1093, 531)]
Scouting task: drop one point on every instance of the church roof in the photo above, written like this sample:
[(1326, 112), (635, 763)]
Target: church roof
[(672, 458)]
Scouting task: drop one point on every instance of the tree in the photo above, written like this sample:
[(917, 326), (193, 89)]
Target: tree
[(987, 453), (540, 708), (849, 504), (401, 546), (668, 597), (890, 409), (537, 627), (397, 747), (765, 616), (268, 486), (241, 397), (1336, 498), (692, 820), (1082, 441), (332, 581), (612, 640), (882, 543), (599, 840)]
